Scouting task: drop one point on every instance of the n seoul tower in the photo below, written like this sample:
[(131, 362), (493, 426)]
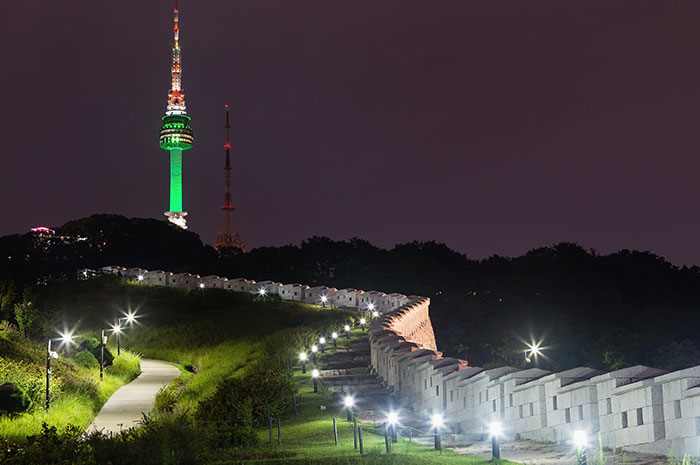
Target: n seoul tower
[(176, 134)]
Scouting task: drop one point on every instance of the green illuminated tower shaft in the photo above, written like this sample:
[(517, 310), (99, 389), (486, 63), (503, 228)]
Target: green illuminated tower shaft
[(176, 134)]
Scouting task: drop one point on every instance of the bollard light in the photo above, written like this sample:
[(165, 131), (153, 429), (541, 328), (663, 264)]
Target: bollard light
[(262, 292), (322, 341), (140, 278), (375, 314), (324, 300), (314, 375), (201, 285), (302, 357), (370, 306), (392, 420), (314, 349), (581, 443), (334, 335), (437, 421), (496, 430), (349, 402), (347, 331)]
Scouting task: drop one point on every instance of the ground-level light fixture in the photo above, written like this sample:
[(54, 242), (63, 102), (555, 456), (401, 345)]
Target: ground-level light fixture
[(347, 331), (302, 357), (370, 306), (392, 420), (324, 300), (314, 375), (322, 341), (437, 421), (495, 430), (201, 285), (334, 335), (66, 338), (139, 278), (375, 314), (580, 442), (348, 401), (262, 292), (314, 349)]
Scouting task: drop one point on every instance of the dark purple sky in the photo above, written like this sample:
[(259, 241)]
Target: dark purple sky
[(495, 127)]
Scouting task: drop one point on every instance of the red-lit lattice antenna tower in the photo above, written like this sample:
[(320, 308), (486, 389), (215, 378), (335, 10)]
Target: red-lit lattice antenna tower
[(228, 240)]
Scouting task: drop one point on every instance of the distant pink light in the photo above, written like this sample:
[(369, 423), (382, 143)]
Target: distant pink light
[(43, 229)]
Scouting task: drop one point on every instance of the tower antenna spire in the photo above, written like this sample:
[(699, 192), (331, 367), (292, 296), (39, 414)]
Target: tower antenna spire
[(228, 240)]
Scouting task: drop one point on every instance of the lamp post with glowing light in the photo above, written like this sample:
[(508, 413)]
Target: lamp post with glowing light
[(139, 278), (347, 331), (324, 300), (322, 341), (581, 442), (65, 338), (375, 314), (437, 422), (302, 357), (103, 341), (314, 375), (393, 420), (349, 402), (314, 349), (533, 351), (362, 323), (496, 431), (262, 292), (334, 336), (117, 329)]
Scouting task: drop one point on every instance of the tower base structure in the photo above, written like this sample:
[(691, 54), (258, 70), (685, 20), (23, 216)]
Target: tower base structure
[(177, 218), (228, 241)]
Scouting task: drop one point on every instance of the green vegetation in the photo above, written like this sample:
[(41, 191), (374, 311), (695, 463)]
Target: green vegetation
[(76, 393)]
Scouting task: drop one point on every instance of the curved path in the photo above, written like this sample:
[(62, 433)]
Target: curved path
[(124, 409)]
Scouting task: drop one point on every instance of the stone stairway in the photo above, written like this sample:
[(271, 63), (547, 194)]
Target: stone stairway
[(347, 372)]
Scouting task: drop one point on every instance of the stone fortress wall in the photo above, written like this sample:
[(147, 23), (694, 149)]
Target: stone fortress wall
[(637, 408)]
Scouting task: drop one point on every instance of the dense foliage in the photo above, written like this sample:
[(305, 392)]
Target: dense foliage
[(604, 311)]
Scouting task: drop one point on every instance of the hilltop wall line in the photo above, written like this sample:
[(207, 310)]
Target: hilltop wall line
[(637, 408)]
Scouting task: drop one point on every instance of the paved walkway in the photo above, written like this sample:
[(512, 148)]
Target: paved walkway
[(124, 409)]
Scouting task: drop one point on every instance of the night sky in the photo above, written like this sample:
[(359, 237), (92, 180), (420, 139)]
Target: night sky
[(492, 126)]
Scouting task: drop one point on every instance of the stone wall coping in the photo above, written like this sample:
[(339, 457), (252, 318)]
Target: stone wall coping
[(525, 376), (629, 375), (690, 372), (572, 376), (496, 373), (464, 374)]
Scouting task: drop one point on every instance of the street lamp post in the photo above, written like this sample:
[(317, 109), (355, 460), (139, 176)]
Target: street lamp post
[(393, 420), (102, 351), (349, 402), (496, 431), (302, 357), (129, 318), (581, 442), (314, 375), (437, 422), (65, 338)]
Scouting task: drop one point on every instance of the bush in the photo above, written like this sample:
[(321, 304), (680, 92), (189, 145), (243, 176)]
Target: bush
[(87, 359), (126, 366), (93, 345), (13, 399)]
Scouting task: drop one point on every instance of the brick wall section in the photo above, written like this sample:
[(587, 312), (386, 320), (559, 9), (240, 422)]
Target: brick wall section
[(411, 322)]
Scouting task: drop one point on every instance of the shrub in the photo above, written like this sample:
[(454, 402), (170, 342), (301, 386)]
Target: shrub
[(13, 399), (93, 345), (126, 366), (87, 359)]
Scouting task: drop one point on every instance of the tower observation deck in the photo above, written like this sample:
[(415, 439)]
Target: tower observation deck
[(176, 134)]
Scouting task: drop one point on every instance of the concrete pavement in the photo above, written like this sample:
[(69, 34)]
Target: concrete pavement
[(124, 409)]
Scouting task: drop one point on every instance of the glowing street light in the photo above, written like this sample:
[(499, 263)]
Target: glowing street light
[(496, 430), (375, 314), (349, 402), (370, 306), (130, 318), (322, 341), (334, 335), (347, 331), (140, 278), (437, 422), (314, 375), (262, 292), (392, 420), (362, 322), (302, 357), (533, 351), (324, 300), (201, 285), (66, 338), (580, 442), (314, 349)]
